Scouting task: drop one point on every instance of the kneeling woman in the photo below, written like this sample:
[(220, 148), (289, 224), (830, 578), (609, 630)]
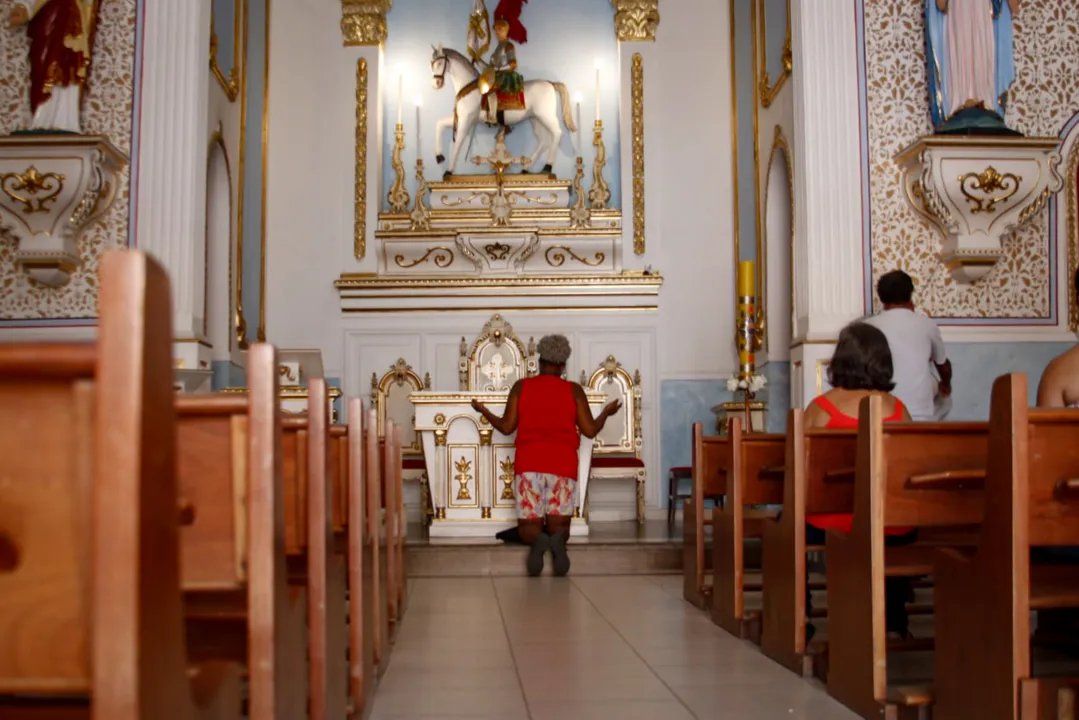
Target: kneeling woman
[(548, 414)]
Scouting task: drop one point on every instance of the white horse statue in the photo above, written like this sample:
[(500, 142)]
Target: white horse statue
[(541, 106)]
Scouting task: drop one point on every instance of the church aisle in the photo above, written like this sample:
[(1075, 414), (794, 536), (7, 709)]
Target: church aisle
[(623, 648)]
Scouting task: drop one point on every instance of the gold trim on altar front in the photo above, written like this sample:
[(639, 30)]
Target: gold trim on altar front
[(556, 284)]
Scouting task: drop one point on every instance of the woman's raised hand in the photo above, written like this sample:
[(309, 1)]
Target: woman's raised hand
[(612, 407)]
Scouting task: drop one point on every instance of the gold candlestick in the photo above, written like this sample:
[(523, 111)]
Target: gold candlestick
[(579, 214), (398, 194), (749, 332), (421, 214), (599, 195)]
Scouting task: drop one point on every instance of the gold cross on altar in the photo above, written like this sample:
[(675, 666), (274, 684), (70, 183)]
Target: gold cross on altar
[(500, 159)]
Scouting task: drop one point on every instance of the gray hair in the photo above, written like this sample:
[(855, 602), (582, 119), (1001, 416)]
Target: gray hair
[(554, 349)]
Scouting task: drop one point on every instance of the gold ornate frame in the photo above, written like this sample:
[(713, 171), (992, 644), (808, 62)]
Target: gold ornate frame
[(610, 370), (779, 142), (231, 84), (400, 373), (768, 91), (218, 140), (497, 331), (1071, 187)]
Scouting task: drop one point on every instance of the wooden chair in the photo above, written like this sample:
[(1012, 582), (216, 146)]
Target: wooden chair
[(91, 614), (921, 475), (238, 602), (984, 595), (753, 468), (819, 478), (708, 482), (390, 397)]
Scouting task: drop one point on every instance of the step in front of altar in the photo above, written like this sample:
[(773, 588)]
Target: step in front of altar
[(614, 548)]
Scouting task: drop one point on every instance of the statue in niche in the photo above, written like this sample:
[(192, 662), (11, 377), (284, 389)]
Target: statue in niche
[(494, 92), (971, 64), (61, 47)]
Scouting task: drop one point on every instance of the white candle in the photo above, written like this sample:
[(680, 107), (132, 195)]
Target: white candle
[(418, 101), (597, 91), (400, 92), (577, 139)]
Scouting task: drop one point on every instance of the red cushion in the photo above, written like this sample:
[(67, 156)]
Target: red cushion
[(616, 461), (413, 463)]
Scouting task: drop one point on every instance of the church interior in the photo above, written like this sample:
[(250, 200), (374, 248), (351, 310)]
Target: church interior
[(281, 280)]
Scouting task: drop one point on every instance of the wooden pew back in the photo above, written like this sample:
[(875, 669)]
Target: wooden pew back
[(89, 525), (824, 471), (707, 481)]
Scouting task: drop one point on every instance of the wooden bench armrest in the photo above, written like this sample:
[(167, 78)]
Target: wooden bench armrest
[(948, 480), (772, 473), (841, 475)]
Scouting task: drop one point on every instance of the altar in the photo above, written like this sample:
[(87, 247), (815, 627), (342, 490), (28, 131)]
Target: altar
[(470, 464)]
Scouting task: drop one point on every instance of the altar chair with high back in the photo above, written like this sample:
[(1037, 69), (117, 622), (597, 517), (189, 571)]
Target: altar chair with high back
[(496, 359), (390, 399), (616, 454)]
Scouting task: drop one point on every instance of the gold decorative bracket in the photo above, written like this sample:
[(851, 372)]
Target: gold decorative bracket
[(579, 214), (363, 22), (421, 214), (636, 20), (398, 194), (599, 194)]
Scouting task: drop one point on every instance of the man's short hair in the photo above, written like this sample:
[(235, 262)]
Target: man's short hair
[(895, 288)]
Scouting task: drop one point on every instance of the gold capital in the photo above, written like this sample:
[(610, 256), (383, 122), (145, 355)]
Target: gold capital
[(363, 22), (636, 20)]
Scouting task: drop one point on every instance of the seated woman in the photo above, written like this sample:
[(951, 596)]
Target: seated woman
[(547, 413), (861, 366)]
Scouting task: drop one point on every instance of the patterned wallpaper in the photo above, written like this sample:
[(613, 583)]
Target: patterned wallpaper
[(1045, 95), (108, 112)]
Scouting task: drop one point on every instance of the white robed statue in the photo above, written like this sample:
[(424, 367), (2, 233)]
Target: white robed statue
[(970, 57)]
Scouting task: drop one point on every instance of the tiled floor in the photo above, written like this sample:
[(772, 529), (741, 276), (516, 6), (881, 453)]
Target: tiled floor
[(624, 648)]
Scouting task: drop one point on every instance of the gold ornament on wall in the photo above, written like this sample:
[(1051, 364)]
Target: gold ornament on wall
[(636, 20), (637, 85), (359, 243), (32, 189), (996, 188), (556, 256), (363, 22), (767, 91)]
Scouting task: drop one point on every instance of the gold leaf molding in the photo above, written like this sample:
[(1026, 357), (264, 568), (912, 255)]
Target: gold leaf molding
[(363, 22), (636, 20)]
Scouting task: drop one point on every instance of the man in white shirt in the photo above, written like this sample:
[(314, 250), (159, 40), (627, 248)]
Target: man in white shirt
[(915, 342)]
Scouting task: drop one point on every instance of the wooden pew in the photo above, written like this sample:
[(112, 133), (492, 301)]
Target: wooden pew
[(391, 528), (350, 525), (752, 466), (91, 616), (819, 478), (238, 602), (924, 475), (376, 529), (707, 483), (984, 595)]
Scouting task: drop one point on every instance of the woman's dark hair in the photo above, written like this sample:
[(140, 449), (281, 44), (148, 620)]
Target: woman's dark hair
[(862, 359)]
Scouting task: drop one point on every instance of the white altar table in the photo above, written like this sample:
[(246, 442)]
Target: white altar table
[(470, 464)]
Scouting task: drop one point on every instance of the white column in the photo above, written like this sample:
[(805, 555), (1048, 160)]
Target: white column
[(827, 168), (828, 256), (173, 150)]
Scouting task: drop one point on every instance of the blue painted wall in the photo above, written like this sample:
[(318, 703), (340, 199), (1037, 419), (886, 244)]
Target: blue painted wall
[(226, 14), (775, 37), (977, 365), (565, 40), (227, 374), (745, 97), (254, 103)]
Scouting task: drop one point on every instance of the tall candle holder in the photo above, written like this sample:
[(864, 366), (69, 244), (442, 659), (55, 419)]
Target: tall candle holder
[(599, 194), (579, 214), (421, 214), (749, 339), (398, 195)]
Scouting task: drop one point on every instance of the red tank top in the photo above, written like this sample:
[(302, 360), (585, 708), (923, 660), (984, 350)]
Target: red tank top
[(839, 420), (547, 437)]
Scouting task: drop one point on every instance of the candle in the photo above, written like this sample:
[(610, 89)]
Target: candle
[(746, 279), (400, 92), (597, 93), (419, 101), (577, 100)]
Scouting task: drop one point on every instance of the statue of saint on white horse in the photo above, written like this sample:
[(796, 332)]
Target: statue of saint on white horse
[(541, 100)]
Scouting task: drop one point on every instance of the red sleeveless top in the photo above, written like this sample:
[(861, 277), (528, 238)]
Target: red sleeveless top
[(840, 420), (547, 437)]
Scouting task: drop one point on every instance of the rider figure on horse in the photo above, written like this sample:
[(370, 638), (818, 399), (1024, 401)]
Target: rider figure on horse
[(501, 77)]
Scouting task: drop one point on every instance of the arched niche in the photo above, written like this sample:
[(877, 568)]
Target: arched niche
[(219, 249), (779, 248)]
